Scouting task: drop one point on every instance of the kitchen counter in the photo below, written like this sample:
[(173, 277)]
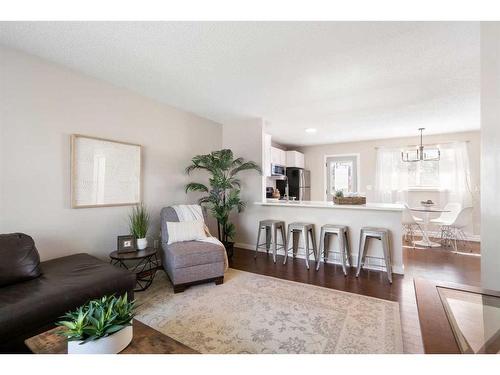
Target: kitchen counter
[(323, 204), (319, 213)]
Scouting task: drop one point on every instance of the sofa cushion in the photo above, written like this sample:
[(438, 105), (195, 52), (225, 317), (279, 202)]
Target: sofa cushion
[(19, 258), (167, 214), (193, 253), (185, 231), (66, 283)]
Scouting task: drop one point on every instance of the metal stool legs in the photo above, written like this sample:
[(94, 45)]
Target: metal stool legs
[(379, 234), (361, 253), (387, 256), (314, 249), (341, 232), (271, 227), (307, 232)]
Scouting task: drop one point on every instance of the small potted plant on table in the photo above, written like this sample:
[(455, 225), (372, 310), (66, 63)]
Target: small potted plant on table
[(139, 225), (101, 326)]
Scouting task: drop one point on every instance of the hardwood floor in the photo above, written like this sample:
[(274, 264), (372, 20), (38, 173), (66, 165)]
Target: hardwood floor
[(436, 264)]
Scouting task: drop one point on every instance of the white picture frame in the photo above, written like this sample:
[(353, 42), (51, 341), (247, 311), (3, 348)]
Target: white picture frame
[(105, 172)]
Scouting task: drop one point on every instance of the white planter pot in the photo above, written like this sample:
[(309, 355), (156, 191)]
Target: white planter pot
[(107, 345), (142, 243)]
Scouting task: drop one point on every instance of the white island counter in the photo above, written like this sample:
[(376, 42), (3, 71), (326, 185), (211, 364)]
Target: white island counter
[(323, 204), (354, 216)]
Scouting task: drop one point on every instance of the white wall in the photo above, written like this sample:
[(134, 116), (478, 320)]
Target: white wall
[(490, 154), (41, 104), (245, 139), (314, 158)]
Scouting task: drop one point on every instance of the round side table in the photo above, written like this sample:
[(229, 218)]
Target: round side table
[(143, 263)]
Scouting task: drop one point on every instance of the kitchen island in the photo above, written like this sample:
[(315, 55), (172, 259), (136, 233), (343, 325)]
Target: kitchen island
[(354, 216)]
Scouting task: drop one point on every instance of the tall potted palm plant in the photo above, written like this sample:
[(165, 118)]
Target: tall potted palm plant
[(223, 191)]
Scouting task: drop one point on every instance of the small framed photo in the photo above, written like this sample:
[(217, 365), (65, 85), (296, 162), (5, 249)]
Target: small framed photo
[(126, 244)]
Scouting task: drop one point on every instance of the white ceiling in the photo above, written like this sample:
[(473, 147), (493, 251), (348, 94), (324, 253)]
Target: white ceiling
[(350, 80)]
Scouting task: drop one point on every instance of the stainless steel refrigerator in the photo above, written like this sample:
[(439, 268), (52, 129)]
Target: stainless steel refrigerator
[(299, 184)]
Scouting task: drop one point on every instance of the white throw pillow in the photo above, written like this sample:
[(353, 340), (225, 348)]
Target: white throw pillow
[(185, 231)]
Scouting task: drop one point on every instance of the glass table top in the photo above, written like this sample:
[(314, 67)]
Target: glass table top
[(474, 318)]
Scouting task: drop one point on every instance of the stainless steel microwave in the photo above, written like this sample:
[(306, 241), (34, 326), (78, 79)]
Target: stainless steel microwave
[(277, 170)]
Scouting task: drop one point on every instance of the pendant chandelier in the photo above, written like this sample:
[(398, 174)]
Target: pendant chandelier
[(420, 154)]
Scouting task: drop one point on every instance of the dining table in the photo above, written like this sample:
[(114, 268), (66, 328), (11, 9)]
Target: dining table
[(426, 212)]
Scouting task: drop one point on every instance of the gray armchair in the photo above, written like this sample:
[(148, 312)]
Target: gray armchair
[(190, 262)]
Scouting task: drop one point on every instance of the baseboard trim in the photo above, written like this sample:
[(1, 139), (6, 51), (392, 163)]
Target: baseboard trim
[(395, 269), (244, 246)]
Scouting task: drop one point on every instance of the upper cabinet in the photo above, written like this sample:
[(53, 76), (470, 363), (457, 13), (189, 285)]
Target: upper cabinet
[(295, 159), (274, 155), (278, 156)]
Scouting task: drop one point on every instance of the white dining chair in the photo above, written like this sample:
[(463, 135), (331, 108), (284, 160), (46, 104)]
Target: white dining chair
[(447, 218), (409, 222), (455, 231)]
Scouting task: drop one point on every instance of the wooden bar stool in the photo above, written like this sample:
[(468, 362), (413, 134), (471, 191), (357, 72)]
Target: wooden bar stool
[(342, 232), (271, 227), (381, 234), (307, 231)]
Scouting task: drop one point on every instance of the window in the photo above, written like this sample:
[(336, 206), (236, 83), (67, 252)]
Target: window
[(341, 174), (423, 174), (451, 173)]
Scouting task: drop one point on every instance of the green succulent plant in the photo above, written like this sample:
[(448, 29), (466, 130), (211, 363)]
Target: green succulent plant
[(224, 187), (339, 194), (97, 318)]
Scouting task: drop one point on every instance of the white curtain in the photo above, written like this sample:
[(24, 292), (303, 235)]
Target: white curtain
[(391, 175), (454, 173)]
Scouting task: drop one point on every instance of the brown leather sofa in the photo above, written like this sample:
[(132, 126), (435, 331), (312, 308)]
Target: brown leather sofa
[(34, 295)]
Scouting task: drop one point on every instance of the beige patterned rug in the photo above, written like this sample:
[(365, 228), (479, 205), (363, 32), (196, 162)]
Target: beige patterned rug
[(251, 313)]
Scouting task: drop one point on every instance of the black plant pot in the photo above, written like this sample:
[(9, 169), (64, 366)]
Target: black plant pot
[(229, 248)]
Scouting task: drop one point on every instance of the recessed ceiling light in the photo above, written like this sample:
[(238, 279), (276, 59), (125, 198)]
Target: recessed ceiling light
[(311, 130)]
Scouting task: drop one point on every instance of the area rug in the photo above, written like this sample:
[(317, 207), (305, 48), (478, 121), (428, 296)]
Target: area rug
[(251, 313)]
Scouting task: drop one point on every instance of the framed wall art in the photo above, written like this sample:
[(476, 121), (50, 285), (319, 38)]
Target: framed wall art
[(104, 172)]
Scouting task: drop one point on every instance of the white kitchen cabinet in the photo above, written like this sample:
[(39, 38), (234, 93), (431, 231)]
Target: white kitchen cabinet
[(282, 157), (295, 159), (275, 156), (278, 156)]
